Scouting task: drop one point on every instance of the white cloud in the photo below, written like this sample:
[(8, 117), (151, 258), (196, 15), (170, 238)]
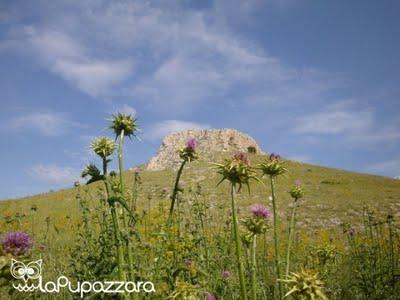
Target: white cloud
[(357, 126), (53, 174), (45, 123), (335, 119), (72, 61), (161, 129), (182, 56), (388, 168)]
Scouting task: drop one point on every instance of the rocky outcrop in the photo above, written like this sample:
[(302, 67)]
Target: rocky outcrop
[(210, 141)]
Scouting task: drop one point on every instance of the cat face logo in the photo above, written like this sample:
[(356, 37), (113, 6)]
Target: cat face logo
[(32, 270)]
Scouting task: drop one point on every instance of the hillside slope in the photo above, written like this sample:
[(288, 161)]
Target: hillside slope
[(332, 196)]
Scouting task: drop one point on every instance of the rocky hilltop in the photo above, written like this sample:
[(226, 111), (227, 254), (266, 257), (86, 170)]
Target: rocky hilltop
[(210, 140)]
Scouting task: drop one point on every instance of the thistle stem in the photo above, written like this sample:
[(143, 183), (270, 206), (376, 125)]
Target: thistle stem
[(120, 254), (290, 236), (176, 187), (124, 222), (276, 241), (254, 269), (243, 291)]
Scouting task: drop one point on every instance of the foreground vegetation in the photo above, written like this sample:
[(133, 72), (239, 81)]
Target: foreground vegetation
[(197, 233)]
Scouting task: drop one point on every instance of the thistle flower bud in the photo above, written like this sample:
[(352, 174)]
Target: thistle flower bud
[(237, 171), (103, 147), (273, 167), (297, 191), (125, 123)]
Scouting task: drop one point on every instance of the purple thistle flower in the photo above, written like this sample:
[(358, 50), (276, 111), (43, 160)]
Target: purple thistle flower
[(274, 156), (226, 274), (297, 182), (17, 243), (260, 211), (188, 262), (242, 157), (210, 296), (191, 144)]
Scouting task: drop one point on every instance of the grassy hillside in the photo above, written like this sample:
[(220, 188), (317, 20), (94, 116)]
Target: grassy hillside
[(71, 232), (332, 196)]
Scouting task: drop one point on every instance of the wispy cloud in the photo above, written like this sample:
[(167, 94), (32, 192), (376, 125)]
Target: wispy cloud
[(389, 167), (45, 123), (185, 56), (161, 129), (53, 174), (346, 119), (74, 62)]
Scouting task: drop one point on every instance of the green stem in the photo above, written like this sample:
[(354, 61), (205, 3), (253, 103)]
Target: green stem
[(253, 269), (176, 187), (290, 236), (276, 241), (243, 291), (124, 221), (120, 254)]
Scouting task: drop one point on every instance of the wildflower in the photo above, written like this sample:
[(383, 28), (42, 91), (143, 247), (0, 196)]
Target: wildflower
[(257, 223), (260, 211), (304, 286), (210, 297), (273, 167), (297, 191), (17, 243), (242, 157), (237, 171), (188, 262), (226, 274), (192, 144), (188, 153), (103, 147), (123, 123)]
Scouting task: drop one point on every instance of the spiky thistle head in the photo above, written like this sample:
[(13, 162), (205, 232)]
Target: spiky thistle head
[(188, 153), (237, 171), (93, 172), (305, 286), (103, 146), (273, 167), (126, 123), (297, 191), (257, 223)]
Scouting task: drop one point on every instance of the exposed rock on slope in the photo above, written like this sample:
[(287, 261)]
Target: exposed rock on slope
[(210, 141)]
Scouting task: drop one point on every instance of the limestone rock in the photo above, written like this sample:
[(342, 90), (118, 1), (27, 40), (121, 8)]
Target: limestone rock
[(210, 141)]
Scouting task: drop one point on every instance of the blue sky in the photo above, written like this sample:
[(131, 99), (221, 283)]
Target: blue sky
[(317, 81)]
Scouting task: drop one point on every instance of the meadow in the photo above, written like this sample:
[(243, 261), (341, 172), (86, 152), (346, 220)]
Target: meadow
[(222, 226)]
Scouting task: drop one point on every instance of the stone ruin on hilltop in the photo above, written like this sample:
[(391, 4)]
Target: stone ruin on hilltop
[(210, 141)]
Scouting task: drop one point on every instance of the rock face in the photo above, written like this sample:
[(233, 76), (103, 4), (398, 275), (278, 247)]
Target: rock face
[(210, 140)]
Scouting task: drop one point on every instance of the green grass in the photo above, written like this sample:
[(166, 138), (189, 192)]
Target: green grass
[(332, 196)]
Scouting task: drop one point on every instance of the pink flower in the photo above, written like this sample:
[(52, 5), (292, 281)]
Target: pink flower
[(260, 211), (191, 144), (242, 157), (226, 274)]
